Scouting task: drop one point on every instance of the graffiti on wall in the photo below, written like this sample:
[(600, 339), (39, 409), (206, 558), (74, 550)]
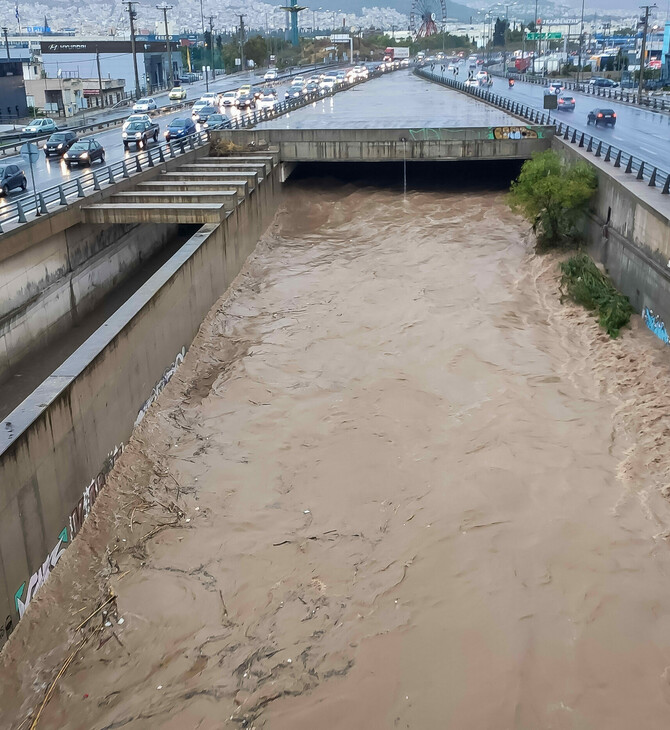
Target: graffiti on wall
[(424, 134), (520, 132), (656, 325), (158, 388)]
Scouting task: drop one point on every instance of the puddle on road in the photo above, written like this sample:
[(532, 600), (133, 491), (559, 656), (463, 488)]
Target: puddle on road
[(417, 492)]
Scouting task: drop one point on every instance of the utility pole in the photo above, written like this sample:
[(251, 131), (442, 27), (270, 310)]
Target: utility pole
[(170, 75), (211, 43), (537, 41), (643, 51), (97, 60), (242, 17), (4, 31), (581, 44), (132, 14)]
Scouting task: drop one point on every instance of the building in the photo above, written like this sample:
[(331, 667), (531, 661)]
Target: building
[(13, 103), (66, 97)]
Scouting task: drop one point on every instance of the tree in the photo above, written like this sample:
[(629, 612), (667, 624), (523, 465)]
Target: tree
[(256, 50), (499, 30), (553, 196), (219, 43)]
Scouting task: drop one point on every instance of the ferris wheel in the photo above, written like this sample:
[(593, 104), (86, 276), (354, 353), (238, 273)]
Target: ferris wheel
[(427, 17)]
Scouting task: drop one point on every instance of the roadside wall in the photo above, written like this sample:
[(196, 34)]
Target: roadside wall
[(58, 446), (629, 233)]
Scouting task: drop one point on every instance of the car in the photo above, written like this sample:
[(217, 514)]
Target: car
[(294, 92), (298, 80), (311, 88), (555, 87), (139, 134), (12, 176), (200, 104), (404, 63), (203, 114), (471, 83), (246, 101), (481, 74), (229, 98), (603, 83), (271, 75), (59, 143), (566, 103), (84, 152), (136, 118), (179, 128), (177, 94), (328, 83), (267, 101), (212, 98), (189, 78), (244, 90), (341, 77), (217, 121), (602, 116), (145, 104), (40, 126)]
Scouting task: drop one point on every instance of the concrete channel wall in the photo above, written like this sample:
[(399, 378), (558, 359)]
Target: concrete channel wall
[(57, 447), (382, 145), (54, 267), (629, 233)]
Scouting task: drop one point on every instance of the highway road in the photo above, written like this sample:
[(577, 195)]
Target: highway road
[(53, 171)]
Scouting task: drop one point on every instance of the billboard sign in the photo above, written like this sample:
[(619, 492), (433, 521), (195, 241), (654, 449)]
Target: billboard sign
[(400, 52), (340, 38)]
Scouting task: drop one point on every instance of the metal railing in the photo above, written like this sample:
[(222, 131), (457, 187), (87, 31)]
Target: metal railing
[(642, 169), (50, 200)]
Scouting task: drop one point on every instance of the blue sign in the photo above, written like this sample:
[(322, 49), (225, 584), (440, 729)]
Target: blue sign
[(38, 29)]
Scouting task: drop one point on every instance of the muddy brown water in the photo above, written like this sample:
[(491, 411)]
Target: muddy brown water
[(413, 490)]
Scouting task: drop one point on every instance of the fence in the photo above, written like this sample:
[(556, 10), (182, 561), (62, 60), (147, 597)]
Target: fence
[(642, 169)]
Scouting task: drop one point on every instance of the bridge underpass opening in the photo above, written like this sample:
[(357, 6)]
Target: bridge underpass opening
[(413, 488)]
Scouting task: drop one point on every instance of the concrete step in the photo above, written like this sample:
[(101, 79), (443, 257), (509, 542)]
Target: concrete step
[(177, 186), (259, 167), (222, 162), (177, 197), (154, 213), (245, 180)]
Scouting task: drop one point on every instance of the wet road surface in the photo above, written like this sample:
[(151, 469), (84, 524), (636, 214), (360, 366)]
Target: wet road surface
[(395, 484)]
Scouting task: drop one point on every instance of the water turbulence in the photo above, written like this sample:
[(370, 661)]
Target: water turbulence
[(416, 491)]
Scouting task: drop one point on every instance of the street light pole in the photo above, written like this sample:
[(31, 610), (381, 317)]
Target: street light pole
[(132, 14), (164, 7), (211, 44), (242, 59), (643, 50), (581, 44), (4, 31)]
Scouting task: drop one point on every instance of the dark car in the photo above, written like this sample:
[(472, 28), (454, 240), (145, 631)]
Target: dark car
[(566, 103), (602, 116), (312, 88), (12, 176), (203, 114), (84, 152), (179, 128), (59, 143), (246, 101), (603, 83), (218, 121)]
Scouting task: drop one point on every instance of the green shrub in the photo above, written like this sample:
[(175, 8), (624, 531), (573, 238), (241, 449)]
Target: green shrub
[(553, 196), (585, 284)]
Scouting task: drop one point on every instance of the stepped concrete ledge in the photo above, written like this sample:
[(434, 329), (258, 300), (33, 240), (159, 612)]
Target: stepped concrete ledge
[(155, 213), (176, 197), (260, 167), (245, 180), (176, 186), (224, 163)]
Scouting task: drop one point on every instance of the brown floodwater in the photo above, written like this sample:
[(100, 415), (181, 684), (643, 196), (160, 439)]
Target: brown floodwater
[(395, 484)]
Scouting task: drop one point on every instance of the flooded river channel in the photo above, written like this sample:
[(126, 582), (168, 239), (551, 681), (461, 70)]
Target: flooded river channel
[(395, 484)]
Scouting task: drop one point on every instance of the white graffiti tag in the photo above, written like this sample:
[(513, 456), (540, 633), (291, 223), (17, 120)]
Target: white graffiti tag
[(158, 388), (40, 575)]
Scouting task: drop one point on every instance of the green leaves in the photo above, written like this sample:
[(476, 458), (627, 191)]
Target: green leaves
[(553, 197)]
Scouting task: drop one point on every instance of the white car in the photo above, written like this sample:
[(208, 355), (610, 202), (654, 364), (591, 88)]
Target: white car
[(266, 101), (41, 126), (146, 104), (404, 63), (361, 72), (136, 118), (271, 75), (212, 98), (481, 75), (471, 82), (229, 98), (200, 104), (298, 80), (328, 83)]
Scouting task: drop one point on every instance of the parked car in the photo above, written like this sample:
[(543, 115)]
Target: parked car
[(203, 114), (189, 78), (602, 116), (271, 75), (602, 83), (217, 121), (177, 94), (179, 128), (246, 101), (139, 134), (59, 143), (41, 126), (136, 118), (146, 104), (84, 152), (229, 98), (566, 103), (12, 176)]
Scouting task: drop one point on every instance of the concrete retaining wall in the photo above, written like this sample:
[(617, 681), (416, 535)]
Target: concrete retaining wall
[(629, 232), (380, 145), (57, 447)]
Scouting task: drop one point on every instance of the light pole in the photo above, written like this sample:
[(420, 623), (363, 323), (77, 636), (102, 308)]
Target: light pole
[(643, 50), (132, 14), (164, 7), (4, 31)]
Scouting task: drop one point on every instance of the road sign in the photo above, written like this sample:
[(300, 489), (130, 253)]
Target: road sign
[(339, 38), (544, 36), (30, 152)]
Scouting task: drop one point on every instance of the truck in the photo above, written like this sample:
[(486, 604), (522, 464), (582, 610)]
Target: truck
[(522, 64), (396, 53), (139, 133)]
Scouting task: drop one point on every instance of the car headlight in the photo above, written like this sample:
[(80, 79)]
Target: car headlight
[(84, 155), (60, 147), (66, 156), (138, 135), (166, 133), (125, 134)]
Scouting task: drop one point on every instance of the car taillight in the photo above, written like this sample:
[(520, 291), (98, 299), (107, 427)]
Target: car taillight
[(614, 114), (600, 116)]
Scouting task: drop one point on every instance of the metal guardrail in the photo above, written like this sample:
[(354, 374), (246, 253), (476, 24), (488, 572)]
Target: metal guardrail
[(49, 200), (651, 102), (642, 169)]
